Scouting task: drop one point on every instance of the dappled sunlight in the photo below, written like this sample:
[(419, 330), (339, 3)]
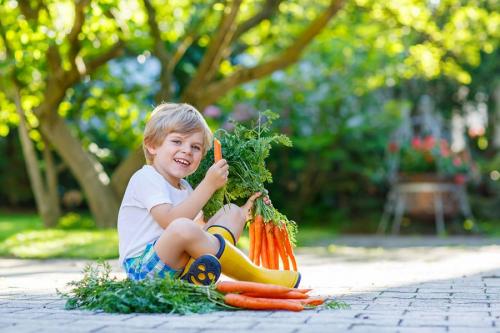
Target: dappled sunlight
[(60, 243)]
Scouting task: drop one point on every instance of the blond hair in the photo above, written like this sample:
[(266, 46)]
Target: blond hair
[(167, 118)]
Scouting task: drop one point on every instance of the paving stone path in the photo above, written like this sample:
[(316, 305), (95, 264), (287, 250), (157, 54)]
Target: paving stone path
[(392, 285)]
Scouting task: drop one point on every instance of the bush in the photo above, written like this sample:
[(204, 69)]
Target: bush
[(72, 221)]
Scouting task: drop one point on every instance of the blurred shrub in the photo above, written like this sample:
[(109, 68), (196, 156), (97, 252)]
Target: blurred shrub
[(72, 221)]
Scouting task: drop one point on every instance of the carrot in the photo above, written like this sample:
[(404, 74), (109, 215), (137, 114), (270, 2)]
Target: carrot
[(281, 248), (270, 245), (217, 151), (288, 295), (276, 252), (258, 239), (251, 287), (252, 303), (309, 301), (289, 249), (303, 290), (251, 234), (264, 255)]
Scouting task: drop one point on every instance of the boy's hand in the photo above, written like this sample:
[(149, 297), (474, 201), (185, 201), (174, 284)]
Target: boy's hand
[(217, 174), (247, 207)]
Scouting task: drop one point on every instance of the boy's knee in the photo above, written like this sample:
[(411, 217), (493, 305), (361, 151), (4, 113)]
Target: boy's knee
[(233, 210), (183, 228)]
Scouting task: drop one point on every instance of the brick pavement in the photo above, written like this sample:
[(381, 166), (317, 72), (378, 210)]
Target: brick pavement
[(392, 284)]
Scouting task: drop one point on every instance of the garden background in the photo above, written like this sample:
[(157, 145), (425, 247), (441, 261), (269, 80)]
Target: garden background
[(78, 79)]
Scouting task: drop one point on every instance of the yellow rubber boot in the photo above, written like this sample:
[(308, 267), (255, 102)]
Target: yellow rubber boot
[(223, 231), (203, 270), (236, 265)]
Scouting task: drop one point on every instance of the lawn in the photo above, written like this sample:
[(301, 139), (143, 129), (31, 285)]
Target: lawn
[(22, 236)]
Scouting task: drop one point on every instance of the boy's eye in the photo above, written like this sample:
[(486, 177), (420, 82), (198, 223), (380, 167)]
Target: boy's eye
[(176, 141), (197, 148)]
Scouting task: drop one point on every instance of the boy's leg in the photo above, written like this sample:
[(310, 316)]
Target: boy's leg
[(183, 239), (229, 217)]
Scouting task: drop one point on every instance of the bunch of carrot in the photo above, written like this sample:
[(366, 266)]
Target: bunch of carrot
[(261, 296), (268, 243)]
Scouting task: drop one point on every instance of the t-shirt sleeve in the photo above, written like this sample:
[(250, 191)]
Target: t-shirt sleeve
[(151, 191), (187, 186)]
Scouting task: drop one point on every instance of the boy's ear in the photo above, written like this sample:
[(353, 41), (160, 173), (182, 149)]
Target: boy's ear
[(151, 149)]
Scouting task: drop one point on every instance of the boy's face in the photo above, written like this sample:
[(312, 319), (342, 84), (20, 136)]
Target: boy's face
[(178, 156)]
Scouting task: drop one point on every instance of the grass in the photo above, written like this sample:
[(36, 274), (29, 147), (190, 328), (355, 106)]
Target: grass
[(22, 235), (11, 224)]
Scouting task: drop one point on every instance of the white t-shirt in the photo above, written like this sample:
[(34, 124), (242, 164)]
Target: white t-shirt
[(136, 227)]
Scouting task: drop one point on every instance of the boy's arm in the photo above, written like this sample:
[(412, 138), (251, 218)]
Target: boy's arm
[(189, 208), (215, 178)]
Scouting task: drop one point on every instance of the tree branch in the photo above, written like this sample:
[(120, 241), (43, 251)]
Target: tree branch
[(216, 49), (286, 58), (114, 52), (181, 50), (269, 9), (29, 12), (159, 51), (72, 36), (57, 87)]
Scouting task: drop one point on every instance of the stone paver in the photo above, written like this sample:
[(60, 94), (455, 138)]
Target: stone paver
[(404, 284)]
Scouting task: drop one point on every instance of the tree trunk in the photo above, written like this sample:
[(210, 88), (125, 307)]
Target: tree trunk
[(134, 161), (49, 210), (89, 172), (496, 118), (51, 182)]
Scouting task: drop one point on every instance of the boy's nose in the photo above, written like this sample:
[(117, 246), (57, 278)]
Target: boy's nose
[(187, 149)]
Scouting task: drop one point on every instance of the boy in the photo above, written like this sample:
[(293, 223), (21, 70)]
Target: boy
[(160, 225)]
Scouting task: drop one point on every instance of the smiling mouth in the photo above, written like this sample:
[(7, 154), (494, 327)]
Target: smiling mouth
[(182, 161)]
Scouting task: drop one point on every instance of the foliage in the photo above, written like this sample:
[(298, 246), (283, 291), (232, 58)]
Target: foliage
[(75, 221), (339, 140), (334, 104), (428, 155), (348, 92), (98, 291)]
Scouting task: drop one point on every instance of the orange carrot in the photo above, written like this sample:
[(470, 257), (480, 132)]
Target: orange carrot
[(258, 239), (251, 287), (288, 295), (217, 151), (281, 248), (276, 251), (270, 244), (313, 301), (252, 303), (289, 249), (264, 255), (251, 235), (303, 290)]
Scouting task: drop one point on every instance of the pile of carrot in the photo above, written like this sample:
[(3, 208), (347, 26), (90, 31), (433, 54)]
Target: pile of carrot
[(269, 242), (261, 296)]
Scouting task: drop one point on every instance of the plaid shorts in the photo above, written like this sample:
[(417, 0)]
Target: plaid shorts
[(148, 265)]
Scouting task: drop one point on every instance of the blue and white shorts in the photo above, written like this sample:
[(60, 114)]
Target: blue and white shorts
[(148, 265)]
